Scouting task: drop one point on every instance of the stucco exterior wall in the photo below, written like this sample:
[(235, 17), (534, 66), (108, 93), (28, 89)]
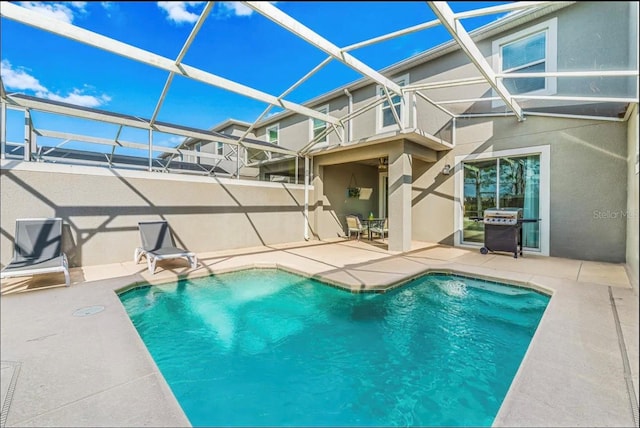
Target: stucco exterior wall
[(331, 177), (295, 130), (102, 208), (586, 40), (633, 210), (588, 181), (337, 204), (236, 130)]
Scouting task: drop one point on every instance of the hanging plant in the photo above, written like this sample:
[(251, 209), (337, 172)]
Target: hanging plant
[(353, 191)]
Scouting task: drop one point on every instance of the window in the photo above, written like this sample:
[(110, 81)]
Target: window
[(507, 182), (197, 147), (516, 178), (318, 127), (533, 50), (386, 118), (273, 134), (219, 148)]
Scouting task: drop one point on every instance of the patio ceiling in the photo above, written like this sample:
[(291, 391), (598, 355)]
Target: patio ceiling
[(517, 105)]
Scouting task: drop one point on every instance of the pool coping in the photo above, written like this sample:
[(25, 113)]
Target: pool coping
[(586, 383)]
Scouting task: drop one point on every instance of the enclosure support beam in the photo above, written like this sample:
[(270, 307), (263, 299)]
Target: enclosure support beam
[(285, 21), (3, 129), (306, 198), (43, 22), (180, 57), (27, 135), (460, 35)]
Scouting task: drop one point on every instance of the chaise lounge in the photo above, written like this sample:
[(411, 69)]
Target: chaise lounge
[(158, 244), (37, 249)]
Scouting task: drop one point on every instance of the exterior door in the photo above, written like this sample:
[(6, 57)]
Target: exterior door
[(383, 194)]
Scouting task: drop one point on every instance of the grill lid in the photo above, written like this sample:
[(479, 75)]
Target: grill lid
[(503, 216)]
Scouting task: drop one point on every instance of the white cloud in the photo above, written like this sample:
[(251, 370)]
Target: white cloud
[(60, 11), (235, 8), (181, 12), (107, 5), (177, 11), (18, 79), (78, 98)]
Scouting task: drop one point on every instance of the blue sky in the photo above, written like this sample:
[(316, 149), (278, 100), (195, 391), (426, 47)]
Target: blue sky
[(234, 43)]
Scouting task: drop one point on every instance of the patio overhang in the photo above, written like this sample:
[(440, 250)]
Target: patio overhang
[(413, 135)]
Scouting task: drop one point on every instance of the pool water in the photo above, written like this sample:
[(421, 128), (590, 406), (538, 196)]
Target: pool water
[(269, 348)]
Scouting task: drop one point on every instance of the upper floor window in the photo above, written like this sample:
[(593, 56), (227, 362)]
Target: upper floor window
[(219, 148), (386, 118), (533, 50), (273, 134), (197, 147), (319, 126)]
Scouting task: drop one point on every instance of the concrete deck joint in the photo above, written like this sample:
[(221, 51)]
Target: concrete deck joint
[(81, 399), (8, 394), (625, 361)]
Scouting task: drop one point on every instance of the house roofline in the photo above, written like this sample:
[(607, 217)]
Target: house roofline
[(500, 25), (229, 122)]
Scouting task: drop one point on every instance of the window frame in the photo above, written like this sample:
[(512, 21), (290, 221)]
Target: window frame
[(544, 195), (637, 142), (267, 131), (325, 110), (197, 147), (219, 149), (400, 80), (550, 28)]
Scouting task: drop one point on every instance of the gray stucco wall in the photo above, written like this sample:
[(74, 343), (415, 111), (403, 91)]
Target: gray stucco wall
[(102, 207), (332, 175), (295, 130), (339, 203), (588, 178), (587, 40)]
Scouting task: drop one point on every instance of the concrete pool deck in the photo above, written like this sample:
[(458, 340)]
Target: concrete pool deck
[(71, 357)]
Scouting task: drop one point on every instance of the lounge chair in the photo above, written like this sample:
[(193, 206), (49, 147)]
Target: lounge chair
[(158, 244), (380, 228), (354, 225), (37, 249)]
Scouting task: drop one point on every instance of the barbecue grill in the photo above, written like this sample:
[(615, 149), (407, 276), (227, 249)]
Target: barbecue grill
[(503, 230)]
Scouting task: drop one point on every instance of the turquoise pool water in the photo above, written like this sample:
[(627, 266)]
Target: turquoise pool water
[(269, 348)]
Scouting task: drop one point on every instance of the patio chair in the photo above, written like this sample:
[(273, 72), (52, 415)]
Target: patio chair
[(37, 249), (158, 244), (380, 228), (354, 225)]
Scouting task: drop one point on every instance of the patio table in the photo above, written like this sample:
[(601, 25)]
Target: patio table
[(370, 222)]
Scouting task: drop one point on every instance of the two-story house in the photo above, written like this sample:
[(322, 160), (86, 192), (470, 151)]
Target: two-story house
[(544, 128)]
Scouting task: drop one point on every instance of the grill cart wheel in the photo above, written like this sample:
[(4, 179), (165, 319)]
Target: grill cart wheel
[(484, 250)]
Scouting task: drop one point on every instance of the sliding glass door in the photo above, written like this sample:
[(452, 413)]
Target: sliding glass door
[(503, 182)]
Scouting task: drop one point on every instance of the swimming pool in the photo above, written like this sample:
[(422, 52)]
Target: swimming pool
[(269, 348)]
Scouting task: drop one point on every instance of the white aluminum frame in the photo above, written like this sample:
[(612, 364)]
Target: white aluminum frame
[(324, 143), (400, 119), (460, 35), (544, 210), (550, 28), (445, 16)]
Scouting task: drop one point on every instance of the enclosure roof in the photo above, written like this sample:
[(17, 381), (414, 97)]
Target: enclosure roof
[(584, 105), (52, 106)]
